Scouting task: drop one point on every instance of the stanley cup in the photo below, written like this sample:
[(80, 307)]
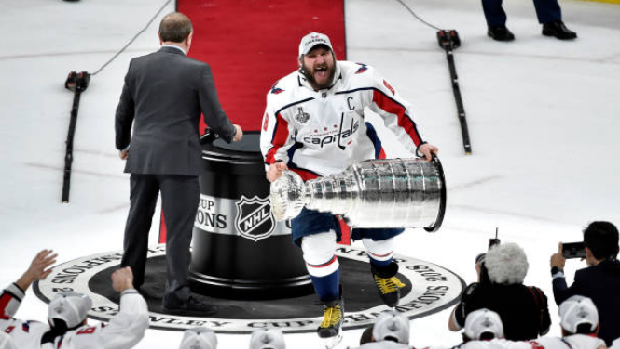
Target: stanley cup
[(374, 193)]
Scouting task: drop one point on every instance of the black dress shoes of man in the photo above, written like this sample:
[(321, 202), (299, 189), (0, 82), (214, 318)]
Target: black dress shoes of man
[(191, 307), (559, 30), (501, 33)]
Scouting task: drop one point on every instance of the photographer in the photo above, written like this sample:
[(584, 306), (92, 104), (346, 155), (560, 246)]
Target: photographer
[(600, 281), (523, 309)]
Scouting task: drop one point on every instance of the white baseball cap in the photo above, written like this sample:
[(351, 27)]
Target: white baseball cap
[(71, 307), (578, 310), (267, 339), (199, 338), (311, 40), (391, 325), (6, 342), (481, 321)]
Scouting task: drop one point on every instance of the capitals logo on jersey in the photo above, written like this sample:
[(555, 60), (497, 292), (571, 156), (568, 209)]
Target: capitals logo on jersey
[(254, 220), (275, 89), (362, 69)]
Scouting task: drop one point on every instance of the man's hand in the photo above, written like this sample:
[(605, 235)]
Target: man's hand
[(39, 269), (557, 259), (238, 135), (427, 151), (122, 279), (123, 154), (275, 170)]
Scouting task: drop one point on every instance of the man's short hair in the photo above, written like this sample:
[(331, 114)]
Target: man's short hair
[(602, 239), (506, 264), (175, 27)]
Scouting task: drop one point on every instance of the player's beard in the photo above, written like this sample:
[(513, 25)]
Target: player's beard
[(330, 71)]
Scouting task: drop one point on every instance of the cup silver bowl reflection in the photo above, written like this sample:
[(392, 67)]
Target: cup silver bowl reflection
[(375, 193)]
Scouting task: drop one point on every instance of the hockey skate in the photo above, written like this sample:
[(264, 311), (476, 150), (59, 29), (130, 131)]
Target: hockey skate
[(330, 330), (388, 284)]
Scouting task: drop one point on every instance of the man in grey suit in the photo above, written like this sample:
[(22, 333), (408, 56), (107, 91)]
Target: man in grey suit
[(163, 95)]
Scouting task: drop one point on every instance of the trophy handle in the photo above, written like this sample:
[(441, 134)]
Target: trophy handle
[(444, 197)]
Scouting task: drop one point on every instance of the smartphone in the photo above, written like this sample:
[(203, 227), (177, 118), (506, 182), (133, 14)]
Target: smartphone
[(574, 249), (496, 241)]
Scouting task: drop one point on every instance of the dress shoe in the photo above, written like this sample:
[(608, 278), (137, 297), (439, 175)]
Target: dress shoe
[(192, 306), (501, 33), (144, 293), (559, 30)]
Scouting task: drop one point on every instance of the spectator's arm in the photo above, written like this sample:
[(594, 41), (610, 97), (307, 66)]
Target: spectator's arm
[(39, 269), (453, 324), (132, 320), (128, 327), (561, 291), (10, 300), (11, 297)]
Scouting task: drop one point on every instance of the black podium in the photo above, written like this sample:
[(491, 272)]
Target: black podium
[(238, 248)]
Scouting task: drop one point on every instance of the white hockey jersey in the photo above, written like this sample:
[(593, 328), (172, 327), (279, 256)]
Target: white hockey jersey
[(124, 331), (384, 345), (497, 344), (318, 133), (575, 341)]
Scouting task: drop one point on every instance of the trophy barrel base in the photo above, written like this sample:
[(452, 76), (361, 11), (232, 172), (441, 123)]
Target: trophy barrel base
[(250, 289)]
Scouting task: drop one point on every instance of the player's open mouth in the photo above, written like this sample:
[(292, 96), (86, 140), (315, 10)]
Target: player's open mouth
[(320, 73)]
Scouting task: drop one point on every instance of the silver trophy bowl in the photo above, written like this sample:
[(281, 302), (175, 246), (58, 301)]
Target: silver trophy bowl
[(375, 193)]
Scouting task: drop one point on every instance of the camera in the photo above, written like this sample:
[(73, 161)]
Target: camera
[(480, 259), (496, 241), (574, 249)]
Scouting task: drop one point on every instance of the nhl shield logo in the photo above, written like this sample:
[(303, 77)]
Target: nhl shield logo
[(302, 117), (254, 220)]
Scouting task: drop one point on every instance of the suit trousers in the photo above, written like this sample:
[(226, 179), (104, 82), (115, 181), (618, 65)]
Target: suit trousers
[(180, 196), (546, 11)]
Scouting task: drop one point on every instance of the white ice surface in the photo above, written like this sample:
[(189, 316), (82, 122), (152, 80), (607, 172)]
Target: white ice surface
[(543, 118)]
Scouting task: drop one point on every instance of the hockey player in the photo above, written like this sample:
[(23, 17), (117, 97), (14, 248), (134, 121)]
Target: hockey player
[(315, 125), (67, 326)]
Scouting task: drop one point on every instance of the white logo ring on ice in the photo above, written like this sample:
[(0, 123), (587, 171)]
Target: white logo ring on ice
[(433, 288)]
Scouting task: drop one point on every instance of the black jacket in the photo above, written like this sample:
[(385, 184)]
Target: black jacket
[(601, 284), (163, 96), (523, 309)]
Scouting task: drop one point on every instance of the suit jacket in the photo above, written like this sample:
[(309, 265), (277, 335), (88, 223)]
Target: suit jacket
[(163, 95), (600, 283)]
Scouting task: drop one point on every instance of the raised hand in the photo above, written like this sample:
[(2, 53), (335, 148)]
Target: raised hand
[(39, 269), (122, 279)]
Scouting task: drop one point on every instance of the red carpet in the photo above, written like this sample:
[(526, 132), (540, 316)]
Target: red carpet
[(250, 44)]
